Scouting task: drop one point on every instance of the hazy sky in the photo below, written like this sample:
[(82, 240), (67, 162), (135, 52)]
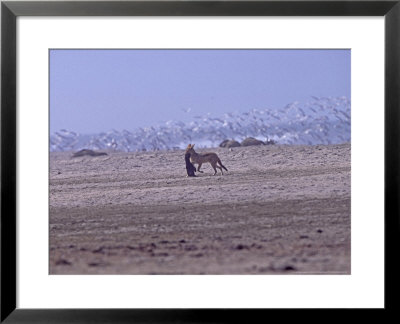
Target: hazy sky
[(100, 90)]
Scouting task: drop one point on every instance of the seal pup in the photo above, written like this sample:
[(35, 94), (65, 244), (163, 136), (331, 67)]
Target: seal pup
[(190, 169)]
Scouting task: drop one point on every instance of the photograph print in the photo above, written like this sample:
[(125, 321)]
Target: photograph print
[(200, 161)]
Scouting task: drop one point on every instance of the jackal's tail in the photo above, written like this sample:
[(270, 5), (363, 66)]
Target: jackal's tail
[(220, 163)]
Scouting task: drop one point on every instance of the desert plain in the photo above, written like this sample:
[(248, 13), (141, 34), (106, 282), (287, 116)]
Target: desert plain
[(279, 209)]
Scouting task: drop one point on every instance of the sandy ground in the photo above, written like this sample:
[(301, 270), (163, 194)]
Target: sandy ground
[(278, 210)]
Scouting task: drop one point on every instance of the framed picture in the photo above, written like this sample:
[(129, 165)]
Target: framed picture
[(196, 152)]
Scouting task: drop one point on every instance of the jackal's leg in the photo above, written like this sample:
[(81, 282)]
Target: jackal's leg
[(220, 163), (215, 166), (198, 168)]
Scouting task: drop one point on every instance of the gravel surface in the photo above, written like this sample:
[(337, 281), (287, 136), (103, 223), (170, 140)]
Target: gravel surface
[(278, 210)]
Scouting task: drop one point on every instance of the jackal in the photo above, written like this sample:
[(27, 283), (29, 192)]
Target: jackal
[(199, 159)]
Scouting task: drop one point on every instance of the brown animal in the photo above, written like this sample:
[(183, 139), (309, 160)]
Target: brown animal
[(199, 159)]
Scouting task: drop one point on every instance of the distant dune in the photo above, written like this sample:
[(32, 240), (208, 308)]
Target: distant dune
[(320, 121), (279, 209)]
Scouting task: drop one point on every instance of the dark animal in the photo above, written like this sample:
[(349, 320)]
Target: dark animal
[(190, 169), (249, 141), (88, 152)]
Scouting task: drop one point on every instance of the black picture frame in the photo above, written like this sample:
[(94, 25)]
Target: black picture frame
[(10, 10)]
